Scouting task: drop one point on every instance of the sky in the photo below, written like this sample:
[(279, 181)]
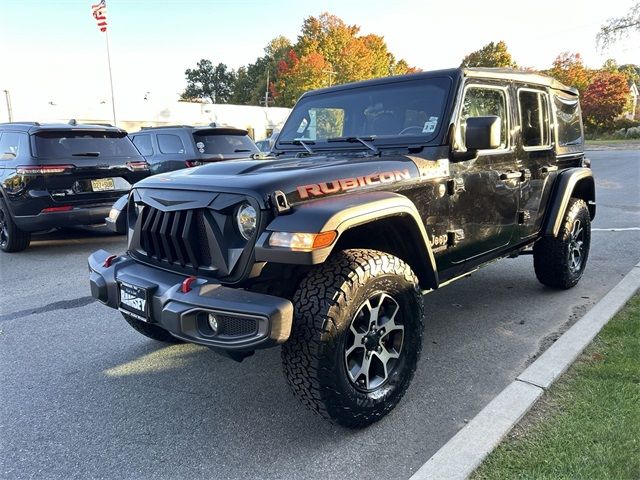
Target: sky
[(52, 50)]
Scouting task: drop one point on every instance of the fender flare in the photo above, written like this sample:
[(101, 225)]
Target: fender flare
[(342, 213), (567, 182)]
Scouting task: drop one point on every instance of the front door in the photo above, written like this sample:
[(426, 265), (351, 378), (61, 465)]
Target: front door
[(484, 210)]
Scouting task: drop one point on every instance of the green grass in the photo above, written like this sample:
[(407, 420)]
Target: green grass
[(588, 425)]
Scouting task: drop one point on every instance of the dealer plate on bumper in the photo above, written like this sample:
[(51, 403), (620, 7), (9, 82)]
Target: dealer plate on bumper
[(133, 301)]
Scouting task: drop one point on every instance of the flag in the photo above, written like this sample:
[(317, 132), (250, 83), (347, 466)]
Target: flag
[(100, 14)]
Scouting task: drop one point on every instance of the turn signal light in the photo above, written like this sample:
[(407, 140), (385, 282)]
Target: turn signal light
[(303, 242), (43, 169)]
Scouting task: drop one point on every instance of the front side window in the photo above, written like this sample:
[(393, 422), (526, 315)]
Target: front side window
[(9, 145), (168, 143), (534, 118), (143, 144), (393, 113), (484, 102), (78, 143)]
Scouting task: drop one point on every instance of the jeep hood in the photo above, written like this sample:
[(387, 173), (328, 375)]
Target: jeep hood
[(295, 177)]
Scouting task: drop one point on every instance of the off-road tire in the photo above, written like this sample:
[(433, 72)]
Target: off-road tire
[(552, 255), (12, 239), (151, 331), (325, 305)]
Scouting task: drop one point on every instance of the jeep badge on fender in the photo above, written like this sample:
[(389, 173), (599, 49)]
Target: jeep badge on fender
[(374, 193)]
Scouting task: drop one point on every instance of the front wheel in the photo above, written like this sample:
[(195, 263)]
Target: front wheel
[(559, 262), (356, 338)]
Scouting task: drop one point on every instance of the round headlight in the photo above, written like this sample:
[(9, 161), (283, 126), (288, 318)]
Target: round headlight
[(247, 219)]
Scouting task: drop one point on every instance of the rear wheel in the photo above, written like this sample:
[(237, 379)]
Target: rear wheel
[(12, 239), (151, 331), (357, 337), (559, 262)]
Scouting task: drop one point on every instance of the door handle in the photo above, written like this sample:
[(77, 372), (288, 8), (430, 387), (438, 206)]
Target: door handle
[(510, 175), (548, 168)]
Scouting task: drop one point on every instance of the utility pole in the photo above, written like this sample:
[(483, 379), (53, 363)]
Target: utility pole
[(266, 92), (8, 99), (331, 73)]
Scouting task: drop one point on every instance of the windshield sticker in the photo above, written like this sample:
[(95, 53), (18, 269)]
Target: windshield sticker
[(200, 145), (430, 126), (303, 125)]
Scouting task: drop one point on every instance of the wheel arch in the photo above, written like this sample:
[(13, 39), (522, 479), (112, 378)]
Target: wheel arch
[(384, 221), (573, 182)]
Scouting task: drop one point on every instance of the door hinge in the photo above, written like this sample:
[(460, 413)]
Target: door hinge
[(455, 185), (454, 237)]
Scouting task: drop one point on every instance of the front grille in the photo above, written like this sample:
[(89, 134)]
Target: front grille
[(176, 238)]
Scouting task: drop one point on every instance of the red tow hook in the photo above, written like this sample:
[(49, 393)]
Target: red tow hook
[(186, 284), (109, 260)]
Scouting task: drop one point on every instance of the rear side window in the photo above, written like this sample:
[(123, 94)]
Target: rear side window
[(534, 118), (482, 102), (568, 119), (143, 144), (9, 145), (168, 143), (65, 144), (223, 144)]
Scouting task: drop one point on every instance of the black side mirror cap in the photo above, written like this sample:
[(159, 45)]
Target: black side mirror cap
[(483, 133)]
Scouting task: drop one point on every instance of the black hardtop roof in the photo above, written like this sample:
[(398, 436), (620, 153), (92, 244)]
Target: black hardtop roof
[(35, 127), (458, 73)]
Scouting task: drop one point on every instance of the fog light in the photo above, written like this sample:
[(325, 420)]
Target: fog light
[(213, 323), (113, 214)]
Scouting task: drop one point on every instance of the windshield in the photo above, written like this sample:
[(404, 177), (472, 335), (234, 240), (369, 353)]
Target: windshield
[(400, 112), (84, 144), (223, 144)]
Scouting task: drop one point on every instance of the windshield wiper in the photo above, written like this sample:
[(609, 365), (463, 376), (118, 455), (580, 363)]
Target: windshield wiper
[(363, 140), (304, 144), (86, 154)]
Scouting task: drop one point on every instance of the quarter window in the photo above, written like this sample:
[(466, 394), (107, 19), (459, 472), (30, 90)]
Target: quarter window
[(143, 144), (534, 118), (568, 119), (170, 143), (483, 102), (9, 146)]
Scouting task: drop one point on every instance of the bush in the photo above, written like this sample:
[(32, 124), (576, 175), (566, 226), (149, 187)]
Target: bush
[(624, 123), (633, 132)]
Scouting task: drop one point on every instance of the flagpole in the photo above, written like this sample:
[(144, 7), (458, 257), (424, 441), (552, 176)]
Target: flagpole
[(113, 102)]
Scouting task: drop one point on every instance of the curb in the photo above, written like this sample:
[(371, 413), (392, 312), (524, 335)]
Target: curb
[(465, 451)]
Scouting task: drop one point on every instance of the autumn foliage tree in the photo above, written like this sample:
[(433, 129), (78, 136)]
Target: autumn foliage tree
[(491, 55), (605, 98), (569, 69)]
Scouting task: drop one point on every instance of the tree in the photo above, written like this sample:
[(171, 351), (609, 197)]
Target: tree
[(605, 98), (569, 69), (208, 83), (297, 75), (491, 55), (617, 28)]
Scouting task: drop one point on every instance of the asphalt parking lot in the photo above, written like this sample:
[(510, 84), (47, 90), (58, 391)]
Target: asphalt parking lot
[(83, 395)]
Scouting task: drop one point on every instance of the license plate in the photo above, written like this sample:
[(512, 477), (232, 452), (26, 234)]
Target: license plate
[(133, 301), (103, 184)]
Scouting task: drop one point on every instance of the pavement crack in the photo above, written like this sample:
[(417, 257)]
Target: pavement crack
[(61, 305)]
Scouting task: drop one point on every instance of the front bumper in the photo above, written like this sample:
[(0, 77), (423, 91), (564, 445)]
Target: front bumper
[(254, 320)]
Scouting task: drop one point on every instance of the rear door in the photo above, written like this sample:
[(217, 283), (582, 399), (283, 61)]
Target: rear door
[(536, 155), (87, 165)]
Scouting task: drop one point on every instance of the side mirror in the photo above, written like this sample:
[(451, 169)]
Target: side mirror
[(482, 133)]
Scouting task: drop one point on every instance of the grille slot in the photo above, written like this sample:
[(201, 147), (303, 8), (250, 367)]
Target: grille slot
[(177, 238), (237, 327)]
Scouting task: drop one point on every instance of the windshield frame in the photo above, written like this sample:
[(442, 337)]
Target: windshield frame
[(406, 141)]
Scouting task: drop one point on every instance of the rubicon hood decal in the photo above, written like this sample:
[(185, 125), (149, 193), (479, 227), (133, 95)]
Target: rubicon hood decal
[(351, 183)]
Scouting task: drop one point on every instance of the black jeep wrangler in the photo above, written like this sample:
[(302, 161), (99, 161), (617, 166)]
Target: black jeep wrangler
[(376, 192)]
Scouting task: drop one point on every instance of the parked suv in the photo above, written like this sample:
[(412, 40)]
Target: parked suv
[(377, 192), (54, 175), (176, 147)]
